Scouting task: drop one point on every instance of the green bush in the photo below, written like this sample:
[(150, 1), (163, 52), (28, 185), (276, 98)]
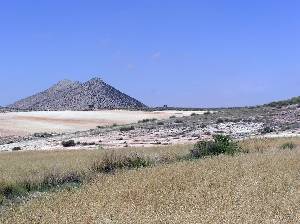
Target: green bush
[(288, 145), (219, 145)]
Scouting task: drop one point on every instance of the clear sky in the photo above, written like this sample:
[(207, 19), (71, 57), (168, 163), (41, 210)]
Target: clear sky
[(183, 53)]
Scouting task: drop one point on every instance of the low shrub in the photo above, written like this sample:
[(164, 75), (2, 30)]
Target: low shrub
[(113, 161), (173, 116), (87, 143), (50, 180), (267, 130), (220, 120), (2, 198), (53, 179), (16, 148), (147, 120), (178, 121), (160, 123), (42, 135), (220, 144), (127, 128), (203, 125), (68, 143), (288, 145), (10, 190)]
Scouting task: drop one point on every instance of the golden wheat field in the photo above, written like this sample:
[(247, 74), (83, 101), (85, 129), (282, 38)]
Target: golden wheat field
[(262, 186)]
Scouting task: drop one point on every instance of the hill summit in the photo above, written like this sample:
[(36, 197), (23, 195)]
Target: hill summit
[(73, 95)]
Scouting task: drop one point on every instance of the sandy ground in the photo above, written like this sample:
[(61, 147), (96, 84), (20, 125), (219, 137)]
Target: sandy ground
[(24, 123)]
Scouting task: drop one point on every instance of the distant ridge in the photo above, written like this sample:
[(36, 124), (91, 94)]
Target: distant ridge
[(281, 103), (73, 95)]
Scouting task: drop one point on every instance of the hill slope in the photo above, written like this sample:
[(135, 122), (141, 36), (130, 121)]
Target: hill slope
[(292, 101), (70, 95)]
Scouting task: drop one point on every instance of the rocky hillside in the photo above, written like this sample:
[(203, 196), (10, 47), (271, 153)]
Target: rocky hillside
[(70, 95)]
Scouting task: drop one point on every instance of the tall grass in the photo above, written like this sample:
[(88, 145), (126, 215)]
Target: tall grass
[(23, 172), (248, 188)]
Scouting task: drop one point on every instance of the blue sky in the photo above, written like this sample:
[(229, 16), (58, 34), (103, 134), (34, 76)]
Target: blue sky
[(182, 53)]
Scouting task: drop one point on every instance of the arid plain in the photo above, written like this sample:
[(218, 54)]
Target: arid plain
[(25, 123)]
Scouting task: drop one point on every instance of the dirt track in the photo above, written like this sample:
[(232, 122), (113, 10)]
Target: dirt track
[(24, 123)]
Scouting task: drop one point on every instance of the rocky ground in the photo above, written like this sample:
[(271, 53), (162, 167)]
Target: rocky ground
[(237, 122)]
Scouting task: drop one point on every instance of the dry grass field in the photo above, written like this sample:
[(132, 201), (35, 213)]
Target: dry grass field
[(35, 166), (261, 186), (24, 123)]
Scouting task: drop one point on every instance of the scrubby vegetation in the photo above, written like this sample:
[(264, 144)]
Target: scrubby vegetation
[(219, 145), (267, 130), (16, 148), (42, 135), (127, 128), (178, 121), (282, 103), (113, 161), (68, 143), (288, 145), (147, 120)]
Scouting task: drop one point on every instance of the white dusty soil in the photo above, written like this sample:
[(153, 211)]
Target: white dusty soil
[(25, 123)]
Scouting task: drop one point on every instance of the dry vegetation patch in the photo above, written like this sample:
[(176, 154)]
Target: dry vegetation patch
[(267, 144), (28, 171), (260, 186), (249, 188)]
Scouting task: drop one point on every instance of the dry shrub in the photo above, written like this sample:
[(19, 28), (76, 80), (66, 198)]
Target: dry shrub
[(113, 160), (68, 143), (127, 128)]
